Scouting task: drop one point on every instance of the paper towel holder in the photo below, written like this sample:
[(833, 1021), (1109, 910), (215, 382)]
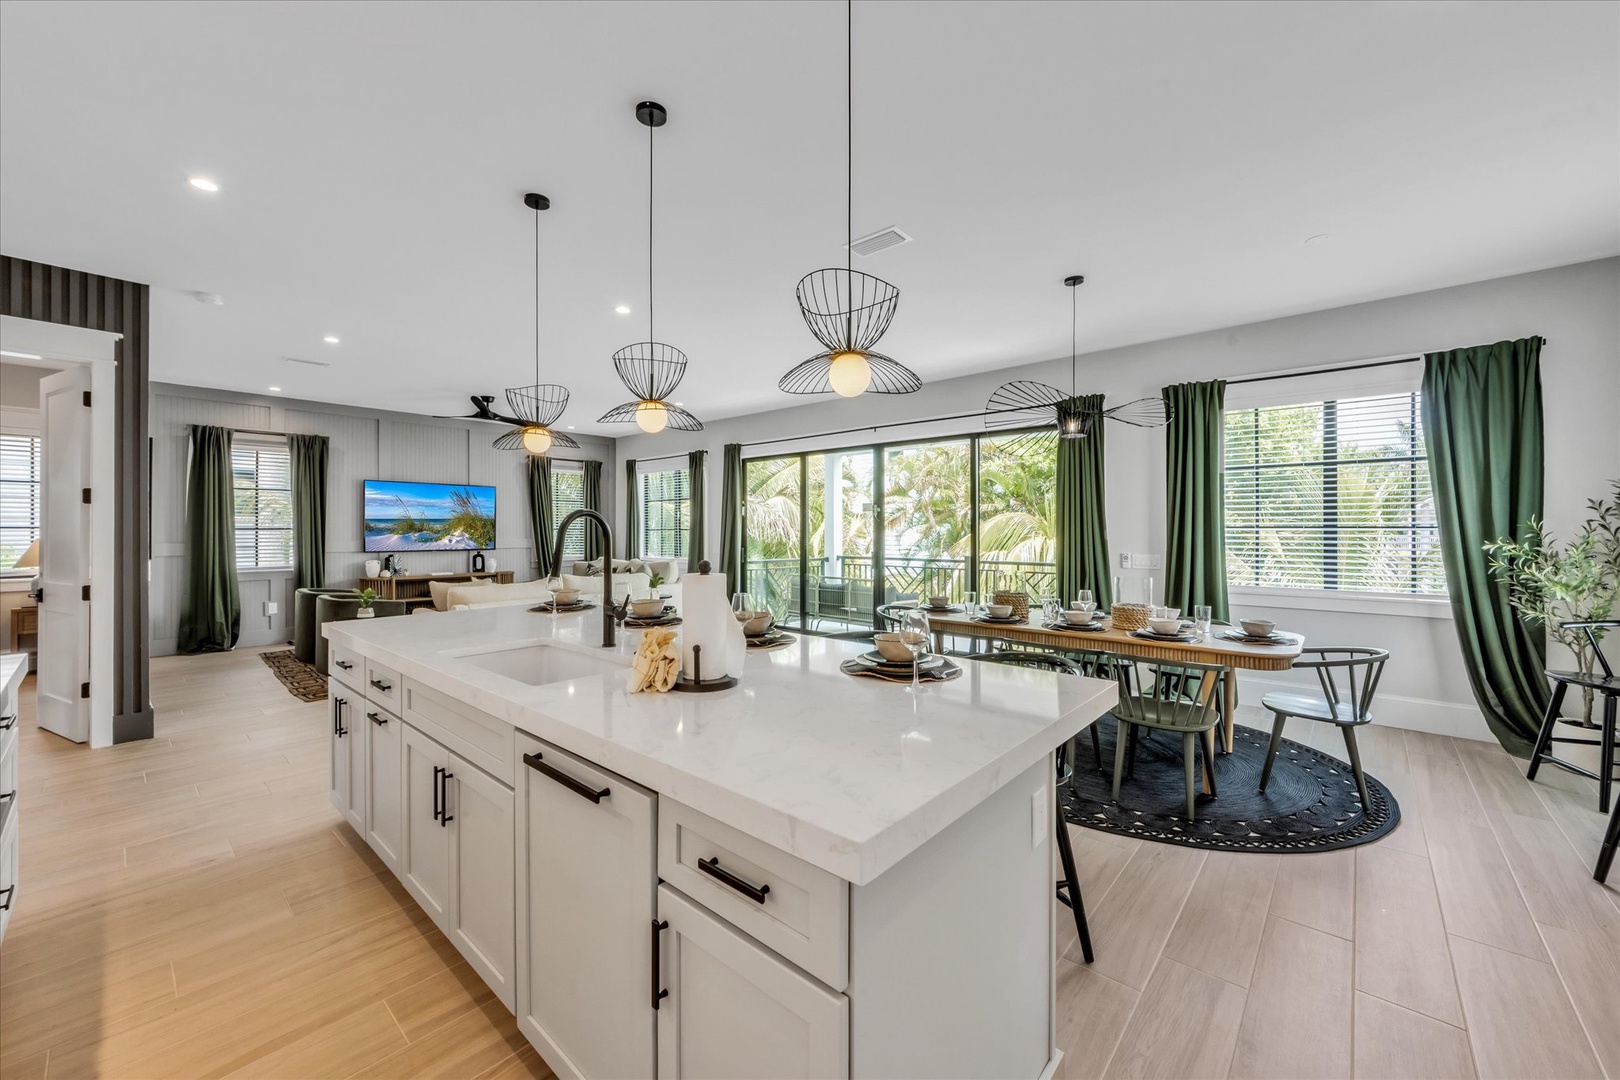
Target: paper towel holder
[(697, 684)]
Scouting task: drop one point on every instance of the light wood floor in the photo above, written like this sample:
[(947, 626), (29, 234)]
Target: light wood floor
[(192, 906)]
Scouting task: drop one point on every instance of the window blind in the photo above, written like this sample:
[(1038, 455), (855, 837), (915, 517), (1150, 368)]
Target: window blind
[(19, 496), (665, 507), (568, 495), (1331, 495), (261, 476)]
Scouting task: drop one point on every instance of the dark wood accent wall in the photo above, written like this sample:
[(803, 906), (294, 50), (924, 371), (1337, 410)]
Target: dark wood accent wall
[(31, 290)]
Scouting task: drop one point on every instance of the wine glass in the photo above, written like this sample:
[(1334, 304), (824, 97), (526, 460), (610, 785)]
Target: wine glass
[(914, 632), (742, 606), (1086, 600)]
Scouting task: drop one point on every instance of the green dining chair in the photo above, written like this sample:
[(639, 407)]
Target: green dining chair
[(1349, 678), (1159, 695)]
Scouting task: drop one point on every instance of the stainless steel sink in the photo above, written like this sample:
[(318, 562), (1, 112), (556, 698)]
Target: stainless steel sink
[(538, 665)]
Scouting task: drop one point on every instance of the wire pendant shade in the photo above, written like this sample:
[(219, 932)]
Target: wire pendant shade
[(514, 439), (650, 369), (814, 376), (676, 417), (539, 405), (846, 310)]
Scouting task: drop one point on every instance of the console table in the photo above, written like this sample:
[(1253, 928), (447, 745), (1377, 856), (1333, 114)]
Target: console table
[(413, 588), (24, 620)]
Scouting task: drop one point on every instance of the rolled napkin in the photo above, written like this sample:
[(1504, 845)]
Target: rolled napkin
[(657, 664)]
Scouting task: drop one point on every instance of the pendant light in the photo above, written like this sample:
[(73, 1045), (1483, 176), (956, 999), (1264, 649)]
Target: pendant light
[(538, 406), (1029, 404), (846, 310), (651, 369)]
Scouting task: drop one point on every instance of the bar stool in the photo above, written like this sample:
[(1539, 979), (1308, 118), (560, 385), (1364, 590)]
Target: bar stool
[(1611, 840), (1606, 684)]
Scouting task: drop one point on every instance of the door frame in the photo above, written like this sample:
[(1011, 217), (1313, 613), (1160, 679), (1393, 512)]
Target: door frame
[(58, 348)]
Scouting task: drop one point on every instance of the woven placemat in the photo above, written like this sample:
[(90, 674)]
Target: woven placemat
[(301, 680), (944, 673)]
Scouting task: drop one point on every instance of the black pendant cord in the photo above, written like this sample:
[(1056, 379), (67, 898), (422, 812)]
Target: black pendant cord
[(650, 336), (537, 296), (1074, 342), (849, 162)]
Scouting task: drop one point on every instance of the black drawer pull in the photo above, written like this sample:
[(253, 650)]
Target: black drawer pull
[(445, 817), (658, 993), (338, 705), (584, 791), (383, 686), (7, 795), (380, 721), (438, 793), (345, 665), (7, 723), (10, 891), (712, 867)]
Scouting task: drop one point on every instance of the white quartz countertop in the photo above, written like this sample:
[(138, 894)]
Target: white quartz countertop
[(13, 669), (849, 774)]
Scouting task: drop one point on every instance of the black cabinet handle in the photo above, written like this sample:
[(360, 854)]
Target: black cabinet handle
[(658, 993), (345, 665), (7, 723), (445, 817), (338, 706), (584, 791), (383, 686), (712, 867), (7, 795), (438, 793), (10, 891), (380, 721)]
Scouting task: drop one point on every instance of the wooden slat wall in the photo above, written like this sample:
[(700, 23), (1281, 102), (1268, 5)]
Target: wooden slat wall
[(31, 290)]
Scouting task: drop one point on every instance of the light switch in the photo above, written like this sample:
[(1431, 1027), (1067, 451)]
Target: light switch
[(271, 607), (1124, 561), (1037, 817)]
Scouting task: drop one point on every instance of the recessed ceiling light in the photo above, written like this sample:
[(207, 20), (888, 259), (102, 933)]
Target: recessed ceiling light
[(21, 355), (622, 309), (330, 339), (570, 427), (275, 389), (202, 183), (208, 298), (680, 405)]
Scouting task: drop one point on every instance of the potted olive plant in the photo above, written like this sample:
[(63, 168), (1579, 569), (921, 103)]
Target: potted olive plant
[(367, 598), (1549, 583)]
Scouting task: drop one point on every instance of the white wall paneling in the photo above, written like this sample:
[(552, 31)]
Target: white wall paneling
[(365, 445)]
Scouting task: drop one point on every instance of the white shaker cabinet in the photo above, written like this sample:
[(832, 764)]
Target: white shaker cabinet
[(586, 882), (383, 802), (735, 1009), (346, 780), (456, 855)]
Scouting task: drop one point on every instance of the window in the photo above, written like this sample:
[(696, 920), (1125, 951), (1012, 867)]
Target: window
[(568, 495), (665, 509), (1331, 495), (262, 476), (19, 498)]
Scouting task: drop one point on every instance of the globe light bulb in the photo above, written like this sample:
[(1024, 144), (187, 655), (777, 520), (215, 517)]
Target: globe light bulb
[(536, 440), (850, 374), (652, 417)]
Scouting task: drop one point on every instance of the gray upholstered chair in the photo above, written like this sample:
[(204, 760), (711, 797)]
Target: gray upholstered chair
[(1175, 696), (304, 628), (337, 608), (1348, 705)]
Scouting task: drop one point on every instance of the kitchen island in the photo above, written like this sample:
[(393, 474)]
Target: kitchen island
[(807, 875)]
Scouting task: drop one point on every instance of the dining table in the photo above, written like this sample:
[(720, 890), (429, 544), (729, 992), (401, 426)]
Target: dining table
[(1210, 648)]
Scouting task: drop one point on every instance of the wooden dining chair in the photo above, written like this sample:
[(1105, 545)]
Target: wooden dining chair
[(1176, 696), (1349, 679)]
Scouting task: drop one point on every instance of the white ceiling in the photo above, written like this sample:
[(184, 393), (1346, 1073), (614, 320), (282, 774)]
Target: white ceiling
[(372, 158)]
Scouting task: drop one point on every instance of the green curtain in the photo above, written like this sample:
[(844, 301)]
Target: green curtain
[(1482, 423), (540, 512), (733, 496), (1082, 520), (593, 501), (696, 532), (1195, 519), (308, 454), (632, 512), (211, 613)]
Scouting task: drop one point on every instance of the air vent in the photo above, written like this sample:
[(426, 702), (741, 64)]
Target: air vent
[(881, 240), (311, 363)]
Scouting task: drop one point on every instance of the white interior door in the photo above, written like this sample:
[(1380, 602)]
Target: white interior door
[(64, 609)]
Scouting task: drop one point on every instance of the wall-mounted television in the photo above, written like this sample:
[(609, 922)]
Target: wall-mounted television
[(406, 516)]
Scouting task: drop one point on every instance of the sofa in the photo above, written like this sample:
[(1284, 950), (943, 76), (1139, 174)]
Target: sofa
[(461, 595)]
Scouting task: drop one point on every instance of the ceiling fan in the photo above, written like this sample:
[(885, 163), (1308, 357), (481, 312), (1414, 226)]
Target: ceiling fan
[(482, 411)]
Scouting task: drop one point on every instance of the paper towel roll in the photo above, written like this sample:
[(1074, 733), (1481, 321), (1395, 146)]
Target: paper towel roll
[(705, 611)]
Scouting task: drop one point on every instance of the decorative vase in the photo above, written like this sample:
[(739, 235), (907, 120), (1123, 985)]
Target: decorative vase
[(489, 564), (366, 613), (373, 567)]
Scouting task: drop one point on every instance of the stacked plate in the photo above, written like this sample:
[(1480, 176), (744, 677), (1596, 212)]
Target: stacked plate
[(1273, 638), (667, 617), (946, 610), (770, 639), (933, 667), (1010, 620), (551, 608), (1095, 626), (1147, 634)]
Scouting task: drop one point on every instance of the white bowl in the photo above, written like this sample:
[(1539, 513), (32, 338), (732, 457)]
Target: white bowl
[(760, 623), (647, 609), (939, 601), (893, 648), (1257, 627), (566, 596), (1165, 626), (1078, 616), (998, 611)]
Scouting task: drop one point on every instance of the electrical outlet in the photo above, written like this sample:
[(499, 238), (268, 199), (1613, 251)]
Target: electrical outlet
[(1150, 562), (1037, 817), (270, 608)]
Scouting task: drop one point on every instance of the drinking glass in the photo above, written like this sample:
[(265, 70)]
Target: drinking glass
[(970, 604), (914, 634), (1201, 618), (742, 606), (1085, 598), (1049, 610)]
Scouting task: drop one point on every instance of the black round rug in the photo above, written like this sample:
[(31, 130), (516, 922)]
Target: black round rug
[(1310, 804)]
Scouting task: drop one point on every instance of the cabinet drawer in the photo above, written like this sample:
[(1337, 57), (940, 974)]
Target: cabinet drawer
[(481, 739), (8, 862), (346, 665), (383, 685), (8, 753), (800, 911)]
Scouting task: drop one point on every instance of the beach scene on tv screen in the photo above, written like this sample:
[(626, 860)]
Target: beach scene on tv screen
[(403, 516)]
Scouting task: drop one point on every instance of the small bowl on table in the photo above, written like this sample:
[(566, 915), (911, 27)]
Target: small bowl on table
[(650, 608), (759, 623), (893, 647), (1257, 627), (1170, 627), (565, 597), (1078, 616), (998, 611), (939, 602)]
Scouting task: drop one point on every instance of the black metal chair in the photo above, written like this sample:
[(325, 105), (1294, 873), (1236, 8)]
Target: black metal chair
[(1349, 707), (1611, 840), (1606, 684), (1065, 775)]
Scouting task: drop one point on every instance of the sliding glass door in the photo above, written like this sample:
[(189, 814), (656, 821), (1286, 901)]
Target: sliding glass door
[(832, 534)]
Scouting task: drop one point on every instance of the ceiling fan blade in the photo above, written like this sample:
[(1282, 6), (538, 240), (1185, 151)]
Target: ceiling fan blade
[(1023, 403), (1143, 412)]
